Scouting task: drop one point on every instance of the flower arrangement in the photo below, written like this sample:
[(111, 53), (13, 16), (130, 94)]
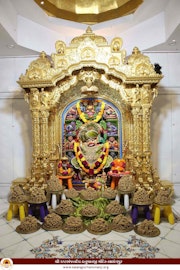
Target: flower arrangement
[(118, 165), (98, 165)]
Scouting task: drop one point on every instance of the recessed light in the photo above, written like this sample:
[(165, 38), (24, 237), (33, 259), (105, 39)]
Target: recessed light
[(172, 42), (10, 46), (42, 3)]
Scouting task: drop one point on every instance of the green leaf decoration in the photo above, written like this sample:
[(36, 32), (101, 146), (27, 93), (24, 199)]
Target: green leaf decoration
[(101, 139), (75, 163), (92, 134), (108, 162), (105, 136), (78, 124), (103, 124)]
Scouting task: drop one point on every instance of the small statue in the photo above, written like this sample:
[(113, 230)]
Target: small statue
[(157, 68), (65, 171), (113, 144), (117, 169), (70, 128), (70, 143), (71, 114), (64, 166), (111, 129), (109, 113)]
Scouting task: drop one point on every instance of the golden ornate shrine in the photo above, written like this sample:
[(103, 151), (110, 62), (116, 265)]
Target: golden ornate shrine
[(87, 91)]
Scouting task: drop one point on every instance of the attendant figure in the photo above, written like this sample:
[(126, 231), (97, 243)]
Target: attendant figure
[(71, 114), (65, 172), (70, 143), (70, 128), (109, 113), (113, 144), (111, 129)]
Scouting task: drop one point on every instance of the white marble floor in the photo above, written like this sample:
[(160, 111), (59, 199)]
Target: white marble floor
[(14, 245)]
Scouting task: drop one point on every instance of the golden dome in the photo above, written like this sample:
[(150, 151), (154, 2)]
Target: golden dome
[(89, 12)]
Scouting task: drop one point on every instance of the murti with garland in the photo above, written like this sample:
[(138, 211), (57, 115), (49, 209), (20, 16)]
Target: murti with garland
[(95, 128), (91, 146)]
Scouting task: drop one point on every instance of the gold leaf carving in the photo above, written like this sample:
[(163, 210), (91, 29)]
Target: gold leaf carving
[(90, 67)]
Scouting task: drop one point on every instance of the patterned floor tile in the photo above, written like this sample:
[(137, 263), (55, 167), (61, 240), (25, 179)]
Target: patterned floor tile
[(169, 249), (35, 240), (177, 226), (10, 239), (33, 235), (63, 235), (76, 238), (2, 221), (13, 223), (4, 206), (5, 229), (19, 250), (174, 236)]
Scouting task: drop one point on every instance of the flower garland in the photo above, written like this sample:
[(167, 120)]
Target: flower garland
[(98, 164), (98, 116)]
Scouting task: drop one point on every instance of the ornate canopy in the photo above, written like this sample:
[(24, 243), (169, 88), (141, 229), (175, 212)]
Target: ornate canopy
[(89, 12)]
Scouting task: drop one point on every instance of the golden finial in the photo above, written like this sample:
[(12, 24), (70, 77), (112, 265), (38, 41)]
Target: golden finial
[(88, 30)]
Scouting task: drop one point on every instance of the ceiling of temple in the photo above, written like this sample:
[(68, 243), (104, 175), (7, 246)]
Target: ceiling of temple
[(25, 26), (91, 12)]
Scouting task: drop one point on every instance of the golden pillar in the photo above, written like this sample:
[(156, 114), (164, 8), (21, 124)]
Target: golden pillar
[(137, 129), (53, 143), (36, 132), (44, 133), (146, 128)]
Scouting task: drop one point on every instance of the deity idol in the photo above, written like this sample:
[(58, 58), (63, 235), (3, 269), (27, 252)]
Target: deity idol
[(91, 150)]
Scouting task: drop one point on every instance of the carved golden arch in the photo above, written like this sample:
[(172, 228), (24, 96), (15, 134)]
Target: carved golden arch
[(107, 94), (90, 67)]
